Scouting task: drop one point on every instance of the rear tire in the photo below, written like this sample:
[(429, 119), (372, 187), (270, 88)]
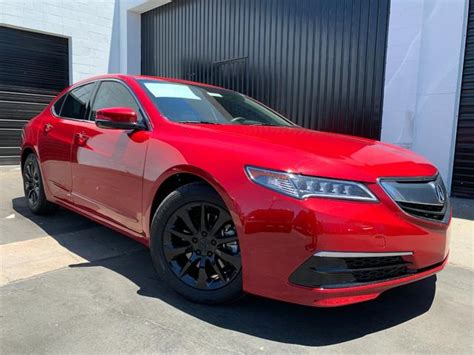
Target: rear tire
[(34, 188), (194, 246)]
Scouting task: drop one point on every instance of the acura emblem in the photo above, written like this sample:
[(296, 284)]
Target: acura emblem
[(439, 193)]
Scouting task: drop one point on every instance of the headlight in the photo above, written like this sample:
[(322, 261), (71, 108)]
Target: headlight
[(300, 186)]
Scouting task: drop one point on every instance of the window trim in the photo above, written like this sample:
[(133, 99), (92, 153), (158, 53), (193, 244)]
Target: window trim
[(149, 126), (65, 98)]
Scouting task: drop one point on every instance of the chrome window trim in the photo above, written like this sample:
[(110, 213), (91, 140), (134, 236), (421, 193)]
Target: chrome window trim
[(415, 179), (343, 254)]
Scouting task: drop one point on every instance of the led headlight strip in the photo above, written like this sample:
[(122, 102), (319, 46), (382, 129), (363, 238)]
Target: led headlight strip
[(300, 186)]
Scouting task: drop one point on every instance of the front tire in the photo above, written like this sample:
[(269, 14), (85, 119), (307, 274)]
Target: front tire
[(34, 188), (194, 245)]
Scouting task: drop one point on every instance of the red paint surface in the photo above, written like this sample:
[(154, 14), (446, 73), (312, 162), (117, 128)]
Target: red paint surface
[(112, 176)]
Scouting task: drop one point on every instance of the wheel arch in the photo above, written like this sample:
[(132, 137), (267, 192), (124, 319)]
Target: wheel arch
[(180, 176), (24, 153)]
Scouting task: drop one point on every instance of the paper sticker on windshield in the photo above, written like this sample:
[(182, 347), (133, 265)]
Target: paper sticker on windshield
[(167, 90)]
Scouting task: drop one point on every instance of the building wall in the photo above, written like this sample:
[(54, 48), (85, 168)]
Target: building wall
[(422, 77), (90, 25)]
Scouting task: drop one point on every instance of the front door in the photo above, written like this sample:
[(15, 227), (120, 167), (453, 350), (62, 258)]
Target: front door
[(107, 164)]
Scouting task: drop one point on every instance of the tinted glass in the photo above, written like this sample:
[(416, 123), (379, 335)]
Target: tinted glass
[(113, 94), (57, 105), (76, 102), (201, 104)]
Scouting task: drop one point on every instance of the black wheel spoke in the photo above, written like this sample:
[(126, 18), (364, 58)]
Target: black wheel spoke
[(172, 252), (203, 218), (28, 171), (233, 260), (221, 220), (184, 216), (183, 236), (34, 197), (202, 275), (186, 266)]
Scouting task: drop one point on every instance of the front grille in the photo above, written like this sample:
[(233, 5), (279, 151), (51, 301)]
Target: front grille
[(435, 212), (333, 272), (424, 198)]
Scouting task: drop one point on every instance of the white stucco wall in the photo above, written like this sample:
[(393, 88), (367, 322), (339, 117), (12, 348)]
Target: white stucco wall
[(104, 35), (87, 23), (130, 32), (423, 71)]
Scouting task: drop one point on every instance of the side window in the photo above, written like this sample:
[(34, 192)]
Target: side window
[(113, 94), (58, 104), (75, 105)]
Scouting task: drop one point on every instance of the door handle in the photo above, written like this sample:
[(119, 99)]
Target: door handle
[(81, 138), (47, 127)]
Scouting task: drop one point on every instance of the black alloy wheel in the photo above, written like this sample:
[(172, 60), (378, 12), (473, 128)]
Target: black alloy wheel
[(201, 246), (194, 245), (34, 189), (31, 179)]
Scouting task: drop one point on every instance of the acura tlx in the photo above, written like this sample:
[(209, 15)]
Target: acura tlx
[(233, 198)]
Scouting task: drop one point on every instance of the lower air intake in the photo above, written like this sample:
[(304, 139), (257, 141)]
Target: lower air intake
[(333, 272)]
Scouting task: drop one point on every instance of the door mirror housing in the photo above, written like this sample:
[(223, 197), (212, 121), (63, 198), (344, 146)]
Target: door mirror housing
[(118, 118)]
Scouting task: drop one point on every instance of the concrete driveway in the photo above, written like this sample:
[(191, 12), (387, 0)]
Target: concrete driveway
[(70, 285)]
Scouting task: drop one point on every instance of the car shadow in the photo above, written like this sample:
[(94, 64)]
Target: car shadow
[(255, 316)]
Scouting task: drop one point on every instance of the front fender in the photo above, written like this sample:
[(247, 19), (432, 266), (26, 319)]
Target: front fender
[(151, 188)]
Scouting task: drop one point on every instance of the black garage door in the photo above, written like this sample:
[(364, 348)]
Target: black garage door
[(463, 172), (319, 62), (33, 69)]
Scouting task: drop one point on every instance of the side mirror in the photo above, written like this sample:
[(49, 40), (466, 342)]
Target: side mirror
[(117, 118)]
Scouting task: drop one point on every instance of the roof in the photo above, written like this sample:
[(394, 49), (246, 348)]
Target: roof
[(149, 77)]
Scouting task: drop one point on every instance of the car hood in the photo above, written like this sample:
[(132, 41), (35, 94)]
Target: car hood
[(318, 153)]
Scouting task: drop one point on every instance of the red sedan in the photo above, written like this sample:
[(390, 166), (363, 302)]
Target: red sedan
[(233, 198)]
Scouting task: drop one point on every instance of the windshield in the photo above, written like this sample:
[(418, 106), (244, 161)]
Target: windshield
[(199, 104)]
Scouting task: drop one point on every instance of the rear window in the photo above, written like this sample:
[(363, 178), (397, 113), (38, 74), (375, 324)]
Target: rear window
[(75, 105)]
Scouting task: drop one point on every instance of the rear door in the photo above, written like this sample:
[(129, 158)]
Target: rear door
[(56, 137), (107, 164)]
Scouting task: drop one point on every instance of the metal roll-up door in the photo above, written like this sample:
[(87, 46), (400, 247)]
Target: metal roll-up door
[(463, 171), (34, 68), (321, 63)]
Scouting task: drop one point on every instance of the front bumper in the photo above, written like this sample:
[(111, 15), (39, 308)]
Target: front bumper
[(279, 239)]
